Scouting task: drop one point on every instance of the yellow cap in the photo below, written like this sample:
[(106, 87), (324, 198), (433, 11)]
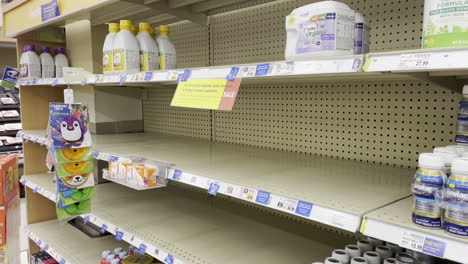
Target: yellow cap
[(164, 30), (114, 27), (125, 24), (134, 29), (144, 27)]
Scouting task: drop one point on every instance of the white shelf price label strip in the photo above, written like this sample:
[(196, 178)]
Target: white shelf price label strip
[(418, 60), (293, 206), (416, 240)]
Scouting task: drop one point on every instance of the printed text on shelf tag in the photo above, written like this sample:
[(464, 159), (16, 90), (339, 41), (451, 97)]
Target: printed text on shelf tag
[(215, 94)]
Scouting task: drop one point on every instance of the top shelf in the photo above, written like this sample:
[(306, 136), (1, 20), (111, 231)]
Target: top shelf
[(105, 11), (446, 67)]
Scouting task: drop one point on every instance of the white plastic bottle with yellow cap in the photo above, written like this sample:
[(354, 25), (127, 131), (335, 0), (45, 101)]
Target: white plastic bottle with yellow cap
[(108, 49), (149, 52), (126, 50), (167, 51)]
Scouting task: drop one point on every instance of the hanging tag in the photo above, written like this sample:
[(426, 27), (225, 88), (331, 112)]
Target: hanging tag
[(142, 249), (103, 229), (54, 82), (233, 74), (186, 75), (123, 78), (169, 259), (68, 96), (214, 188), (119, 235), (86, 219)]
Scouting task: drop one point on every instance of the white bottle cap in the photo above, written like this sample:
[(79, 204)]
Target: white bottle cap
[(122, 254), (115, 261), (447, 154), (431, 160), (460, 165), (110, 257), (459, 149), (465, 89), (104, 254), (117, 251)]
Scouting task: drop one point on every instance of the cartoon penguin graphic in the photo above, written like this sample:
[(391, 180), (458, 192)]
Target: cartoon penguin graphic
[(72, 131)]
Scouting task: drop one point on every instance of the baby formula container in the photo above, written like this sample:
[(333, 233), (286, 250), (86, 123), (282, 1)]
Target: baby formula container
[(320, 29), (448, 155), (428, 191), (361, 35), (445, 24), (30, 65)]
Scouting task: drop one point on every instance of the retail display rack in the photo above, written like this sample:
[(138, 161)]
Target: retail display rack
[(315, 153)]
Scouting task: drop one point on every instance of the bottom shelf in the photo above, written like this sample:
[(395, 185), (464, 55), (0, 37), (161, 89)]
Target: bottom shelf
[(393, 223), (69, 245), (195, 228)]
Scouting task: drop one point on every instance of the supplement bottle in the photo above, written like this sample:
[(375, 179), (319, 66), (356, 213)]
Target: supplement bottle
[(30, 65), (456, 212), (462, 119), (108, 48), (126, 50), (428, 191), (60, 61), (149, 53), (167, 51)]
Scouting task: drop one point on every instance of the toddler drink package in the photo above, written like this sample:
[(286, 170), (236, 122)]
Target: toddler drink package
[(75, 182), (74, 196), (73, 155), (74, 168), (68, 126)]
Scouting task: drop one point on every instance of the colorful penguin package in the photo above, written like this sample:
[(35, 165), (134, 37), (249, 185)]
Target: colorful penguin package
[(71, 155)]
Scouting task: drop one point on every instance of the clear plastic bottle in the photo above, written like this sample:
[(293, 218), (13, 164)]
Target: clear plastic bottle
[(149, 52), (428, 191), (167, 51), (30, 65), (126, 50), (108, 49), (448, 155), (60, 61), (47, 63), (462, 120)]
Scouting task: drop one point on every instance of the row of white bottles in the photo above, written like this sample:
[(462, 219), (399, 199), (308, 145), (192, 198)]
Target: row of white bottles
[(45, 65), (125, 53)]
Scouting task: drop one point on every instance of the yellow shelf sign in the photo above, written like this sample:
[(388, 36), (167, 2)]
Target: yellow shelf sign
[(215, 94)]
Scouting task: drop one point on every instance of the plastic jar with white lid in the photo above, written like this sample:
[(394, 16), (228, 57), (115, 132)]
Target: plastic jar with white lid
[(320, 29), (459, 177), (428, 191), (448, 155), (459, 148)]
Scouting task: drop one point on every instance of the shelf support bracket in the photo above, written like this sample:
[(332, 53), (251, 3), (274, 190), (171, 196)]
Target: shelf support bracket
[(162, 7), (448, 82)]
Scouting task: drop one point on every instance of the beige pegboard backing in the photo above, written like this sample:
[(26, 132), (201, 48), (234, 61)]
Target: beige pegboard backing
[(257, 33), (191, 41), (384, 122), (160, 117)]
